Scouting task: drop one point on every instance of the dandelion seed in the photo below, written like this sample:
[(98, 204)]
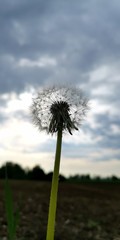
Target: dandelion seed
[(59, 108)]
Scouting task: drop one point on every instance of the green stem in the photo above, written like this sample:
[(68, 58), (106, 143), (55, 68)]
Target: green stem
[(54, 190)]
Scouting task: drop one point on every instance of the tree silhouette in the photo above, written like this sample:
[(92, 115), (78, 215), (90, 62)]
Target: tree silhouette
[(36, 174), (14, 171)]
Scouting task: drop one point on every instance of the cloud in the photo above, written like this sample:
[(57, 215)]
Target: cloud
[(45, 42), (74, 34), (43, 62)]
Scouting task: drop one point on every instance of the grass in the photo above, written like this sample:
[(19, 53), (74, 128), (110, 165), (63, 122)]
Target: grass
[(12, 217)]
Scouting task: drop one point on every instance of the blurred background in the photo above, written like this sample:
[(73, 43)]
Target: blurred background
[(51, 42)]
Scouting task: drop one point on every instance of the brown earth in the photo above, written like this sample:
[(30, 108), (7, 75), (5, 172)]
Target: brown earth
[(89, 211)]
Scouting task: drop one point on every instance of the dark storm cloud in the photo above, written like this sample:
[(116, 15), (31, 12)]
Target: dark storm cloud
[(80, 36), (16, 79), (106, 133), (110, 136), (29, 28)]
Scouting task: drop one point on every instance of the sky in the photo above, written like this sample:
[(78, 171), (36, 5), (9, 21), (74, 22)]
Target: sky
[(69, 42)]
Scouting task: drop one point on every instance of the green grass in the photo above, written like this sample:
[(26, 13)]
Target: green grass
[(11, 216)]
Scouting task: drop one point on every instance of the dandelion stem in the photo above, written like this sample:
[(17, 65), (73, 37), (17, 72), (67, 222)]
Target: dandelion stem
[(54, 189)]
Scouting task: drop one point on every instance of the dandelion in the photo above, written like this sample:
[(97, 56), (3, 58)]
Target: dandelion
[(58, 110)]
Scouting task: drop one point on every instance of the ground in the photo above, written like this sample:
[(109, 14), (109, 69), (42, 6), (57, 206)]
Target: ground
[(89, 211)]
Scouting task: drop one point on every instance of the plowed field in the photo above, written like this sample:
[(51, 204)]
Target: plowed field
[(89, 211)]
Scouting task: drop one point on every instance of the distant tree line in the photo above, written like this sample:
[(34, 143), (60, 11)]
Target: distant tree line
[(87, 178), (15, 171)]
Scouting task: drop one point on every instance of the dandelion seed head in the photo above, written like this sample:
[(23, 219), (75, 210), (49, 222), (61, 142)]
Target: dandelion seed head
[(59, 108)]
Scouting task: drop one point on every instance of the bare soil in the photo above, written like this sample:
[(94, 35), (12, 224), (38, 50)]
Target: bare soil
[(89, 211)]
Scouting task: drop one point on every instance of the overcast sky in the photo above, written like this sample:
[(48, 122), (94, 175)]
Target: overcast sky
[(58, 41)]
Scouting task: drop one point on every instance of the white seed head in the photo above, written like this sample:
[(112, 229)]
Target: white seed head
[(59, 108)]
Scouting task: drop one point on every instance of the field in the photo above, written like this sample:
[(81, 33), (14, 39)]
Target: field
[(89, 211)]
